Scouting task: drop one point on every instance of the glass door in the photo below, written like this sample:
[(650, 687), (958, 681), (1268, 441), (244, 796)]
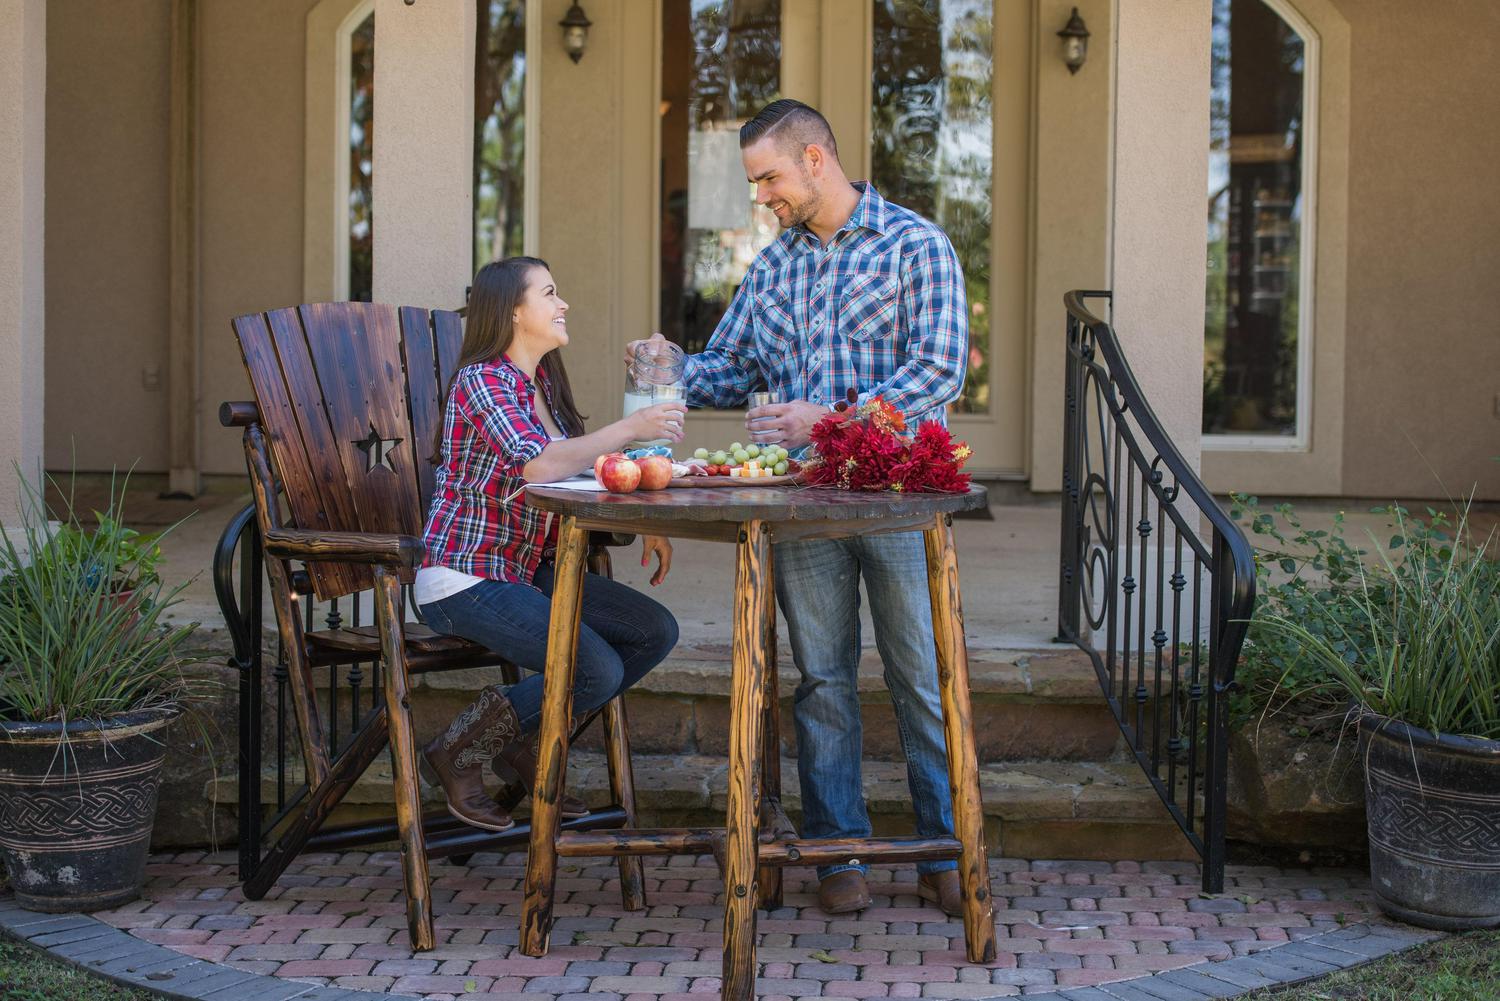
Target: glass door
[(920, 105)]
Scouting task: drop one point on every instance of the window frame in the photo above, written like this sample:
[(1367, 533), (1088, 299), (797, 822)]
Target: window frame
[(1301, 438), (531, 157), (343, 62)]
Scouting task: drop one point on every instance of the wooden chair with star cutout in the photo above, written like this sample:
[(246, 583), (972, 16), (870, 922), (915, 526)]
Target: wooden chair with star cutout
[(348, 399)]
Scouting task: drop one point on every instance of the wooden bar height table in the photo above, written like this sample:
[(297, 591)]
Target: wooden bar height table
[(752, 518)]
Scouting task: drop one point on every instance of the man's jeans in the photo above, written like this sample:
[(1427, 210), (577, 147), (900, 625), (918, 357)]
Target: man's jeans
[(817, 582), (623, 634)]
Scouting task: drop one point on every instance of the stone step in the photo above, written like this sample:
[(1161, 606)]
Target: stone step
[(1033, 809), (1027, 705)]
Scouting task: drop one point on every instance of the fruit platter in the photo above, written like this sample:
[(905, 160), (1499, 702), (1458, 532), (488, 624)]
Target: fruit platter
[(736, 466)]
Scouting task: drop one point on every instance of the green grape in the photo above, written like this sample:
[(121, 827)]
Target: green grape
[(701, 453), (741, 457), (735, 447), (779, 469), (753, 451), (719, 459)]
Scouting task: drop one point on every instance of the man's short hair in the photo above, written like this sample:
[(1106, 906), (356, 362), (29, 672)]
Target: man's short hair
[(793, 125)]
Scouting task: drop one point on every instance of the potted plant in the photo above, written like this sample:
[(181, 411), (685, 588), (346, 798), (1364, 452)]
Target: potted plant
[(90, 677), (1425, 686)]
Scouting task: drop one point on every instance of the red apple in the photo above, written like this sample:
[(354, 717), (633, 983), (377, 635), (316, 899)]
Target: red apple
[(599, 464), (618, 474), (656, 472)]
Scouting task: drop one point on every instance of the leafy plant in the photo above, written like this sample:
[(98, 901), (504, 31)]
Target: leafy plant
[(82, 628), (1415, 637), (1305, 574)]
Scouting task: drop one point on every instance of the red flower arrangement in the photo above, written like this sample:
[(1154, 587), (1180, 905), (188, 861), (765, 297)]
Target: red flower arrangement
[(868, 448)]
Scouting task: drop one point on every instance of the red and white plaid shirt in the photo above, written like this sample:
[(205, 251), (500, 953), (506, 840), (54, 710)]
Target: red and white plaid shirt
[(490, 432)]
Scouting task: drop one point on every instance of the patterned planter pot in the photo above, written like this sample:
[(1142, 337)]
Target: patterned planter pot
[(75, 819), (1433, 808)]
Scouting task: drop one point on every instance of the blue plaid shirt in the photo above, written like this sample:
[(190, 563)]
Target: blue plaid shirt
[(880, 310)]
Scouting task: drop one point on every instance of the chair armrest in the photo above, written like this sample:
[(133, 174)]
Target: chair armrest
[(401, 551), (238, 413)]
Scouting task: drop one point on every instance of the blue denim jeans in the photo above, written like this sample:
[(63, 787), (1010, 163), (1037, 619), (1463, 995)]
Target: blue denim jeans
[(623, 635), (817, 583)]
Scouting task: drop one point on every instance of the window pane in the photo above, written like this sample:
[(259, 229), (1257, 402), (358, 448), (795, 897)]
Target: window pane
[(1254, 222), (361, 157), (499, 129), (932, 141), (721, 64)]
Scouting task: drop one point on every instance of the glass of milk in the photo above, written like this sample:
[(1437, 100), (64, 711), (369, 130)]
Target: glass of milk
[(654, 376)]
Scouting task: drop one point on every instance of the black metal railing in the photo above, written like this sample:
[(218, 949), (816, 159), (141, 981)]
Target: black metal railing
[(269, 748), (1156, 583)]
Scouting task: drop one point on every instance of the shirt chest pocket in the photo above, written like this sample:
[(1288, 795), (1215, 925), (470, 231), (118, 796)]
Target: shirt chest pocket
[(774, 328), (870, 308)]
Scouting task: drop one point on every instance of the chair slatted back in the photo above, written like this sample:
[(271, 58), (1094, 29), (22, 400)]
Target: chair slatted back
[(349, 395)]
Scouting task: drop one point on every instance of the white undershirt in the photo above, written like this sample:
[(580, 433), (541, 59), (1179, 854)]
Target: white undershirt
[(436, 583)]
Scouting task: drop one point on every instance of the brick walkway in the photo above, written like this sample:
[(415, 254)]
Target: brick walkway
[(338, 919)]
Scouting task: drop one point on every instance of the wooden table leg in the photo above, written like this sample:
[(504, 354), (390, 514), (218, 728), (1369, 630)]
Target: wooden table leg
[(552, 759), (963, 765), (746, 718), (407, 789), (770, 752), (622, 786)]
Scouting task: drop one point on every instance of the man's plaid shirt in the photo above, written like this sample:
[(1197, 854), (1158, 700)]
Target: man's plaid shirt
[(880, 310), (490, 432)]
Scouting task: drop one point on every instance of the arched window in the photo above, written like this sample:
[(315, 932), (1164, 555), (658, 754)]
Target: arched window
[(1257, 318), (354, 242), (502, 97)]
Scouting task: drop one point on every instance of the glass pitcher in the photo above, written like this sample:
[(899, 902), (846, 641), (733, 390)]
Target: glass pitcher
[(653, 376)]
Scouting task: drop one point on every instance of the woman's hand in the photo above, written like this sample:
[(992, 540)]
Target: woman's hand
[(663, 420), (662, 547)]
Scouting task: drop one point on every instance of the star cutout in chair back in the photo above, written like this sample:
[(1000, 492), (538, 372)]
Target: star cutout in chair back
[(377, 450)]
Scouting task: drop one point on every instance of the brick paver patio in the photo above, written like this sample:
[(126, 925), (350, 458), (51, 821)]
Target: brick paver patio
[(338, 919)]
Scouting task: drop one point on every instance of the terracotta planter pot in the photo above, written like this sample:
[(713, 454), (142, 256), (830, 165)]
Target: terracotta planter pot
[(1433, 805), (75, 823)]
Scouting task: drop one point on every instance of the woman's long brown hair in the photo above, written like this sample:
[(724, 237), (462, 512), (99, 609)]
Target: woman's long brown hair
[(498, 289)]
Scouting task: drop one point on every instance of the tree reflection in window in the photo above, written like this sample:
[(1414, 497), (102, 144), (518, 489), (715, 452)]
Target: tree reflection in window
[(499, 129), (1252, 306), (932, 141), (361, 158), (721, 63)]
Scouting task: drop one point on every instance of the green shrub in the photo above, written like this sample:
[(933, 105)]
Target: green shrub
[(82, 633), (1413, 634)]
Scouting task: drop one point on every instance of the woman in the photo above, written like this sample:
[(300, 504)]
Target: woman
[(509, 419)]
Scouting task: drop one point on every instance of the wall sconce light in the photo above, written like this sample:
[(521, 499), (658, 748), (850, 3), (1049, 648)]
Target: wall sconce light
[(575, 26), (1075, 36)]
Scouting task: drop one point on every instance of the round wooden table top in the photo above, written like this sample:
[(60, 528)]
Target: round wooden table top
[(740, 504)]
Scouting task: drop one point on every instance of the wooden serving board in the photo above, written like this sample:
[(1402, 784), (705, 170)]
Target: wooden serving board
[(735, 481)]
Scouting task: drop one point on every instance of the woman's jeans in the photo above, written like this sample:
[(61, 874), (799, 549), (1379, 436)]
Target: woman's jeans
[(817, 582), (623, 635)]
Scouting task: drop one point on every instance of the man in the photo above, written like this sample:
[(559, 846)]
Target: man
[(856, 293)]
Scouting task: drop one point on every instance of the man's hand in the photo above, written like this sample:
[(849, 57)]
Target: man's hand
[(662, 547), (786, 424), (657, 342)]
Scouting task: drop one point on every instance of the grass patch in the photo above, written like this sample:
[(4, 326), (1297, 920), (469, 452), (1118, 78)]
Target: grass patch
[(28, 974), (1459, 968)]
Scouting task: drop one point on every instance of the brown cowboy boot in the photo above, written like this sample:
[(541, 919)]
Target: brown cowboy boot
[(458, 756), (515, 765)]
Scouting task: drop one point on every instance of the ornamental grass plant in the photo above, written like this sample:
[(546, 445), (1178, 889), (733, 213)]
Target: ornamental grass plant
[(1413, 635), (83, 630)]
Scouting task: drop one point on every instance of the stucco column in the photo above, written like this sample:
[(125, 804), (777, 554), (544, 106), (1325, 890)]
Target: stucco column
[(1160, 212), (423, 174), (23, 101)]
